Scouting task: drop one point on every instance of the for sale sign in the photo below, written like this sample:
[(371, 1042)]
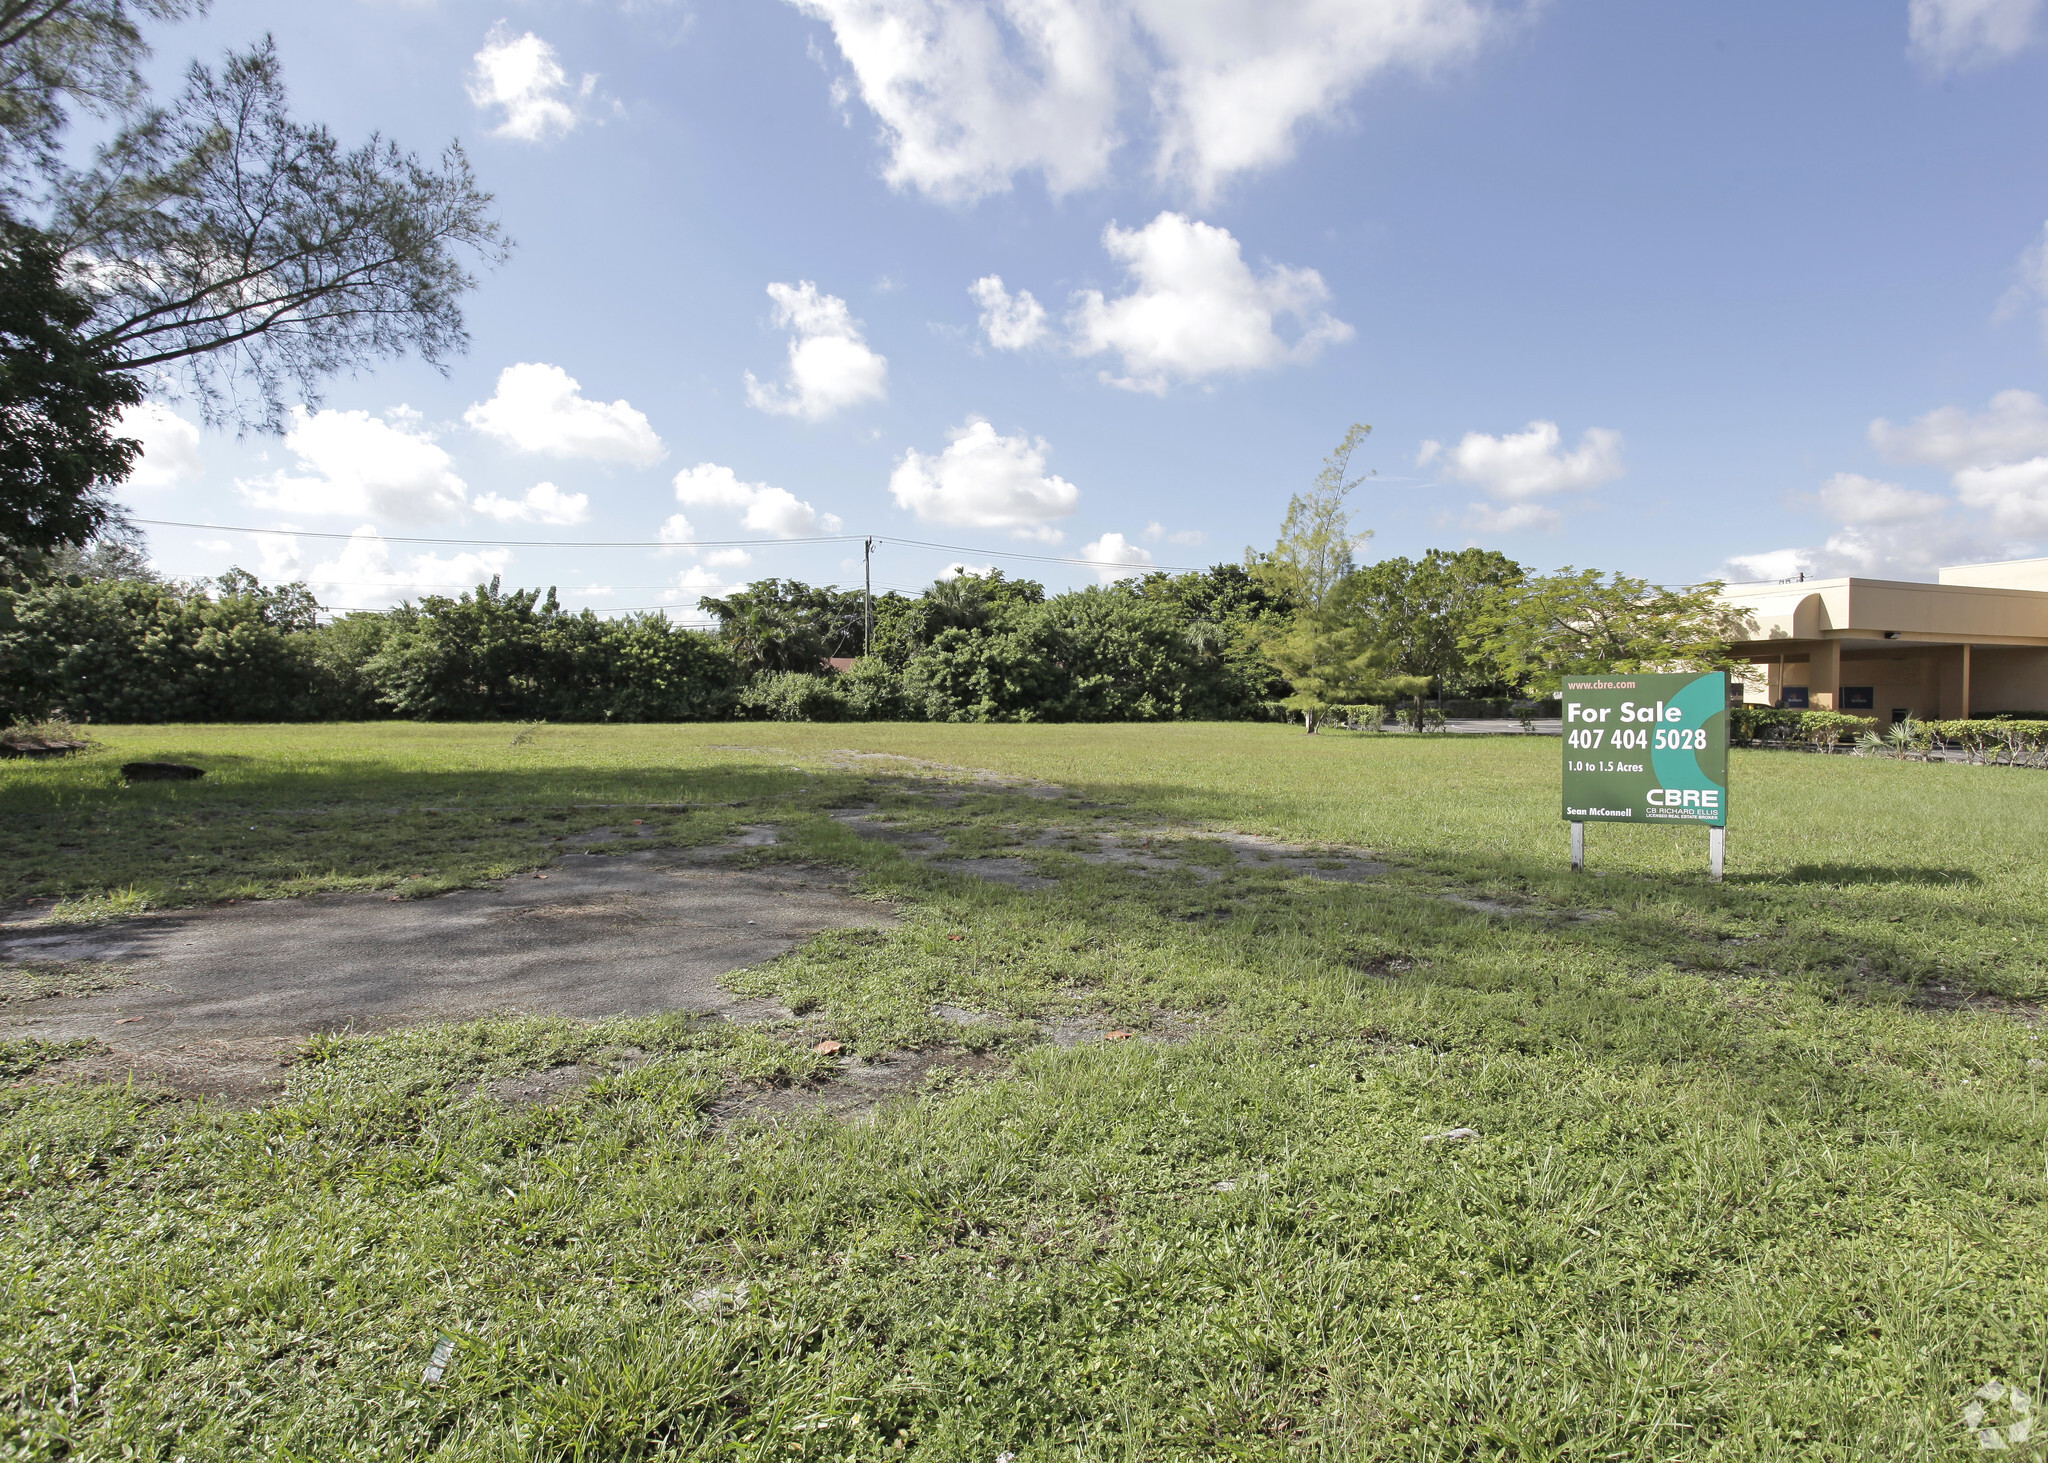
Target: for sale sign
[(1646, 749)]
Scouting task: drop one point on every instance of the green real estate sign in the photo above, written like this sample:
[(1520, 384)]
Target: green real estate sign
[(1646, 749)]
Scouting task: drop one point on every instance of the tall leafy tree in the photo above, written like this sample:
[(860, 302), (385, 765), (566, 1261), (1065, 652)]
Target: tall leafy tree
[(1328, 664), (1226, 615), (967, 602), (60, 405), (57, 54), (1325, 660), (1578, 621), (215, 242), (787, 625), (1317, 546), (1420, 611), (224, 243)]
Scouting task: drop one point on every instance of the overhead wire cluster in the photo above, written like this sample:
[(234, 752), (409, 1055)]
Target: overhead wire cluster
[(704, 543)]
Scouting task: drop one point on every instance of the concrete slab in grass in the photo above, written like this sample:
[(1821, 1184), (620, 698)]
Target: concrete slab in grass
[(633, 934)]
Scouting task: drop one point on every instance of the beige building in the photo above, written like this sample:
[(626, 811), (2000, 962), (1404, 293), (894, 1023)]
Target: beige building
[(1974, 644)]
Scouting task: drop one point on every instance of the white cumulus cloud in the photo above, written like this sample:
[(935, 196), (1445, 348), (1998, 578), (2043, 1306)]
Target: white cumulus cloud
[(1241, 77), (541, 408), (1011, 322), (699, 581), (2014, 494), (1771, 566), (1884, 529), (983, 480), (1849, 497), (759, 507), (1116, 557), (969, 94), (2014, 425), (1187, 537), (170, 448), (1960, 35), (1873, 550), (1521, 469), (972, 93), (676, 529), (830, 365), (362, 576), (1512, 517), (521, 79), (351, 462), (1196, 308), (543, 503)]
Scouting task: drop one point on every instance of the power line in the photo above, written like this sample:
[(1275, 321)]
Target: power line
[(727, 543), (1041, 558), (515, 543)]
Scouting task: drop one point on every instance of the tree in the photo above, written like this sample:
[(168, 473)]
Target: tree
[(903, 627), (1573, 623), (216, 241), (1331, 663), (52, 51), (1226, 616), (130, 650), (1316, 546), (1420, 612), (775, 625), (108, 557), (60, 402), (498, 653), (221, 241)]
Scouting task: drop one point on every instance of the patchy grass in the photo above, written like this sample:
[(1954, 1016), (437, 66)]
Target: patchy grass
[(1753, 1177)]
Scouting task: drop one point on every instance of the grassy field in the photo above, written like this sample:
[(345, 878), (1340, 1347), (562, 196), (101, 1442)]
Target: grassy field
[(1759, 1172)]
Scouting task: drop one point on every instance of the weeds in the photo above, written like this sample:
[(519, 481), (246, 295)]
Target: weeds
[(1734, 1194)]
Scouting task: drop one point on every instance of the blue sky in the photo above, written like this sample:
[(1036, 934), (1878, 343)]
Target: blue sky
[(1743, 289)]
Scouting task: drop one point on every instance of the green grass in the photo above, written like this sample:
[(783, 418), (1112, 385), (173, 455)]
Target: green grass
[(1745, 1186)]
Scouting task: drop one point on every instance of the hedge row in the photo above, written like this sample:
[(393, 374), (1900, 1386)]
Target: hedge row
[(2002, 738)]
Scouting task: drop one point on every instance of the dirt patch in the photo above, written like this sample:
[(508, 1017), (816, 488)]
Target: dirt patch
[(1165, 850), (1165, 1028), (39, 982), (1500, 909), (605, 907), (962, 1015), (1939, 997), (229, 1072), (1011, 871), (855, 1088), (590, 836), (625, 934), (864, 823)]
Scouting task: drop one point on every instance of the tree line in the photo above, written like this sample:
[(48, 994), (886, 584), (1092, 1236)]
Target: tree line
[(1300, 630), (216, 248)]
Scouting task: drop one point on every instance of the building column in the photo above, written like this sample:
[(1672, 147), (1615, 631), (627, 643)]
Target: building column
[(1954, 671), (1824, 675)]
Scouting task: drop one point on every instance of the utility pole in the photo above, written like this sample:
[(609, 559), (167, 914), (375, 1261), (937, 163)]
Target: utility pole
[(867, 612)]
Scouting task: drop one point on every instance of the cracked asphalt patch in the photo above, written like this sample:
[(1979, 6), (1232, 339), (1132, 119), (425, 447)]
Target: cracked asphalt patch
[(626, 935)]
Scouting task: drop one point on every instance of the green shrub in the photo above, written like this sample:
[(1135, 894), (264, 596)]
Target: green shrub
[(793, 696), (1997, 739), (1783, 723), (130, 650)]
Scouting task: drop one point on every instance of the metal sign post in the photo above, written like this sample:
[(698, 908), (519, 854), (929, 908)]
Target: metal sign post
[(1647, 748)]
